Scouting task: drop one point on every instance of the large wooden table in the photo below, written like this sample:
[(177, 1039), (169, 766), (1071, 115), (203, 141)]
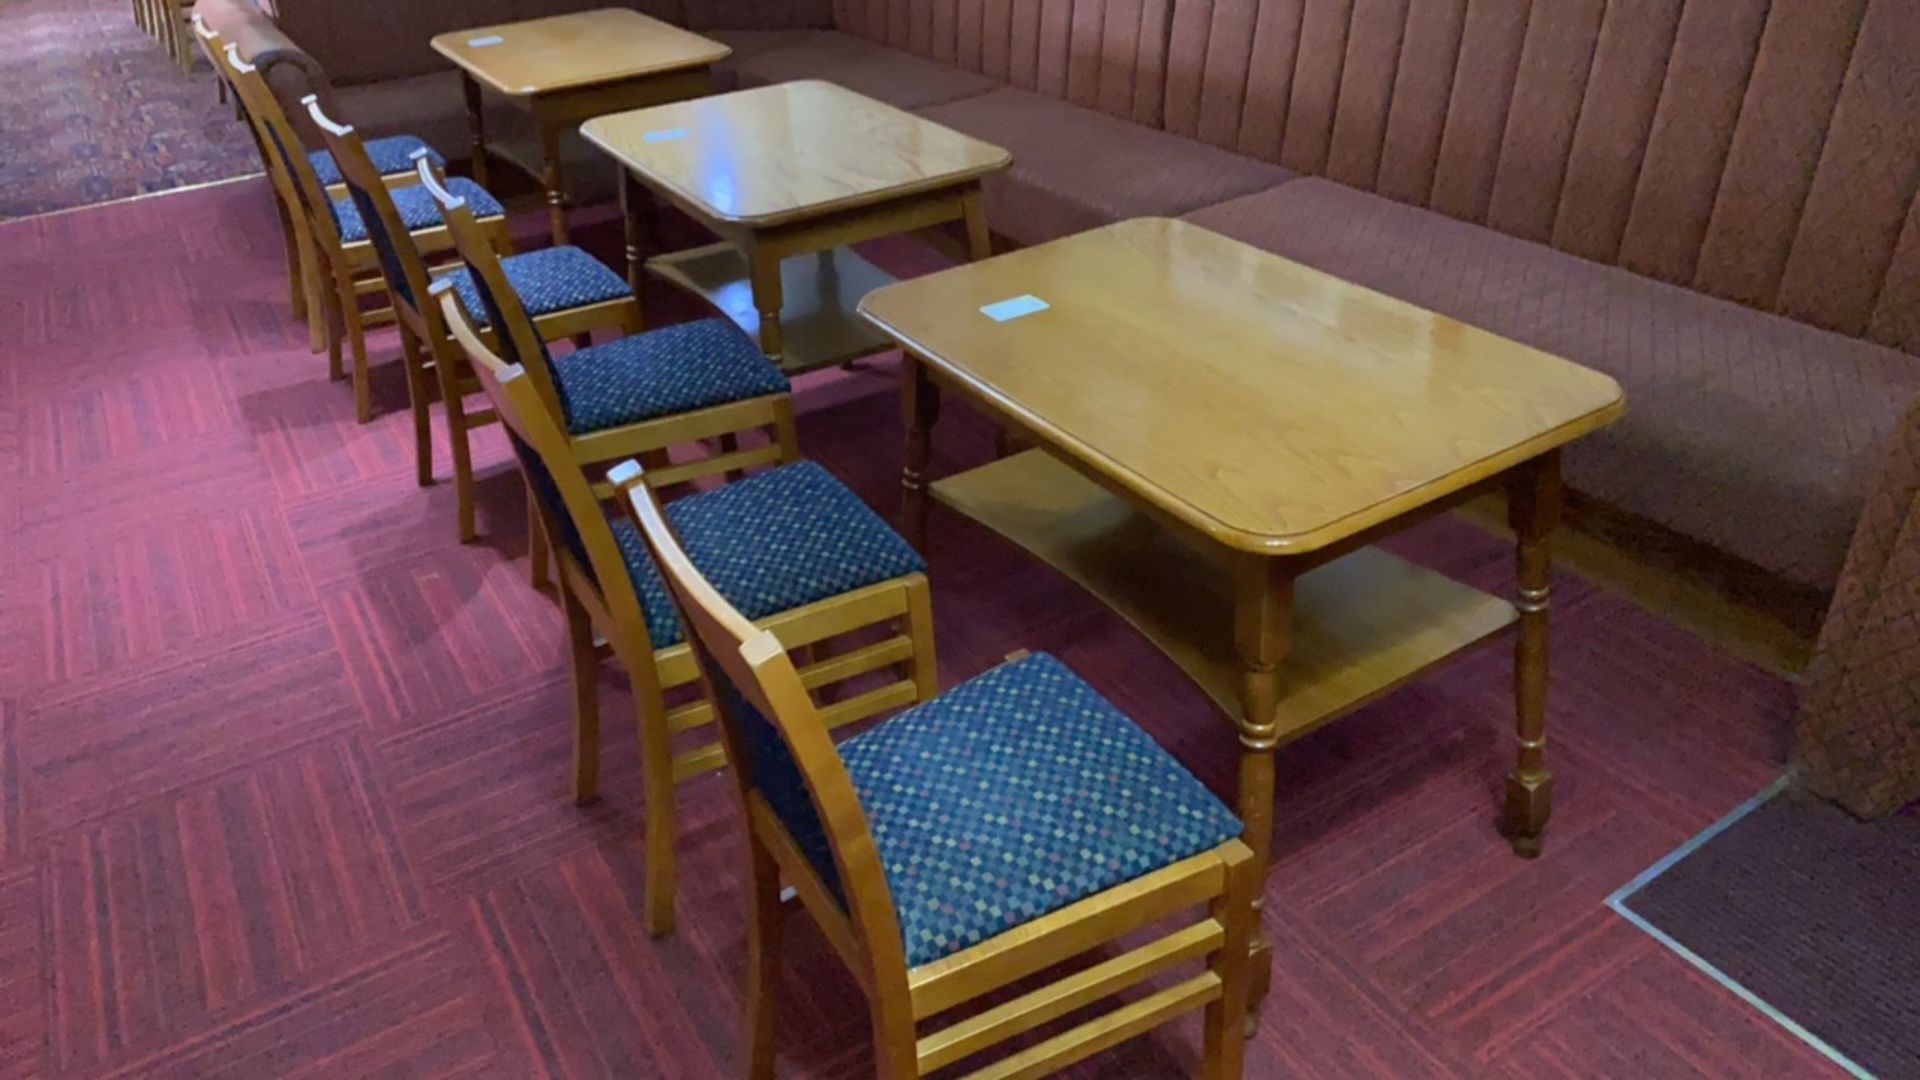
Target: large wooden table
[(1222, 435), (567, 68), (788, 176)]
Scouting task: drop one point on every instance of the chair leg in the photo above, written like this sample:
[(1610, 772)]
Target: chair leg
[(296, 281), (453, 403), (420, 397), (539, 547), (763, 959), (357, 341), (1224, 1042), (586, 699), (333, 323), (656, 753)]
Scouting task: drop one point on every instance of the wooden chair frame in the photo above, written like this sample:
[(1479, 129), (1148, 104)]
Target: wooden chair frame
[(866, 932), (335, 275), (600, 602), (427, 345)]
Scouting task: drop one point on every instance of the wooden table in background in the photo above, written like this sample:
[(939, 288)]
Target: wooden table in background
[(1223, 435), (781, 172), (569, 68)]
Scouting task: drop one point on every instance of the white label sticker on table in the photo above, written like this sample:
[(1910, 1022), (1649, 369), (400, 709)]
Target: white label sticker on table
[(668, 135), (483, 42), (1007, 310)]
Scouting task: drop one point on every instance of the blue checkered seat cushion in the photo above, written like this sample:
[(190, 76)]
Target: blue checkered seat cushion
[(662, 372), (547, 281), (772, 542), (1016, 794), (416, 207), (392, 156)]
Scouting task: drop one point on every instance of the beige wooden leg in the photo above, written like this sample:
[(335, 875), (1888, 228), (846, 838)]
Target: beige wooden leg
[(636, 207), (1224, 1043), (539, 546), (1533, 511), (555, 183), (1263, 636), (420, 401), (663, 811), (763, 959), (769, 299), (586, 698)]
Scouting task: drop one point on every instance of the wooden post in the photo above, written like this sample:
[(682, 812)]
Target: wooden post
[(1533, 512)]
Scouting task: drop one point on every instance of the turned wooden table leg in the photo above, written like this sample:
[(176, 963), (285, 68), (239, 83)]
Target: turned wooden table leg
[(636, 205), (555, 182), (1263, 636), (919, 410), (1533, 512), (769, 300), (476, 126)]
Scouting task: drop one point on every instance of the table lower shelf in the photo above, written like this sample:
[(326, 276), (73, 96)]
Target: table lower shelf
[(819, 323), (1363, 624)]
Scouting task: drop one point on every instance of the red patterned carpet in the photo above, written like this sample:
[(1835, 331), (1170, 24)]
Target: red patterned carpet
[(92, 109), (283, 767)]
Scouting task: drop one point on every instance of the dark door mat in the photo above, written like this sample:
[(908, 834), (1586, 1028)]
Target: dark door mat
[(1812, 913)]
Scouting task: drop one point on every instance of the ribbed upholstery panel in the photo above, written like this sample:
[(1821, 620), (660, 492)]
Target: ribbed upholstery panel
[(1869, 171), (1051, 55), (996, 38), (1271, 51), (1490, 43), (1316, 84), (1623, 90), (1896, 321), (1366, 91), (1763, 151), (1802, 62), (1550, 92), (1706, 81), (1429, 53)]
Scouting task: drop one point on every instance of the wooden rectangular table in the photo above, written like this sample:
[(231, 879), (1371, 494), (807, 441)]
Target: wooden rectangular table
[(568, 68), (1223, 435), (789, 176)]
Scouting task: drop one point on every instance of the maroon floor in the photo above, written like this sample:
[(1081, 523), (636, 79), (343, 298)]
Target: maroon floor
[(282, 767)]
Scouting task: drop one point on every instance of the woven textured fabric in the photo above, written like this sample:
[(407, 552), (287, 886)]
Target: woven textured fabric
[(1015, 794), (770, 543), (898, 78), (549, 280), (392, 156), (416, 207), (672, 370), (1858, 731)]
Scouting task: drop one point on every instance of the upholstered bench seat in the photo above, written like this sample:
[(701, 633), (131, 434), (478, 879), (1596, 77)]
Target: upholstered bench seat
[(1076, 169), (772, 542), (674, 369), (898, 78), (392, 156), (417, 208), (548, 280), (1016, 794), (1754, 433)]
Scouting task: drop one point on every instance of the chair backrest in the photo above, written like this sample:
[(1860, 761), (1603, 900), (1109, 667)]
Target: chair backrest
[(400, 261), (776, 739), (590, 556), (283, 149), (520, 342)]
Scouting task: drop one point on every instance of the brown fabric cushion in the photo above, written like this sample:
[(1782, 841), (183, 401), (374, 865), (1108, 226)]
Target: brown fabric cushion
[(1748, 431), (900, 79), (1858, 731), (1076, 169)]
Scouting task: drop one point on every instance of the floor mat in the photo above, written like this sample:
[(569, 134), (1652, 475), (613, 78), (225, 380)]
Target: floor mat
[(1814, 916), (92, 110)]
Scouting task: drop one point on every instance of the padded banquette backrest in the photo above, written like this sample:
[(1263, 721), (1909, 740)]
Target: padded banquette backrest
[(1764, 151), (1109, 55)]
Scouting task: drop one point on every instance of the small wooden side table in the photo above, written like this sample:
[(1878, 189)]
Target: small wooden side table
[(789, 176), (568, 68)]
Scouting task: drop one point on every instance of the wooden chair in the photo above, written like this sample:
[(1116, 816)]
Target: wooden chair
[(339, 266), (791, 545), (967, 844), (637, 395), (578, 295)]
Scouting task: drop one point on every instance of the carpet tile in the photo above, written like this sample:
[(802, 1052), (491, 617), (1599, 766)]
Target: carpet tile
[(284, 767)]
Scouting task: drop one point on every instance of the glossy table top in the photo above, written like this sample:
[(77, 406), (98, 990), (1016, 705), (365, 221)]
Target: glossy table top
[(791, 151), (586, 48), (1273, 407)]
